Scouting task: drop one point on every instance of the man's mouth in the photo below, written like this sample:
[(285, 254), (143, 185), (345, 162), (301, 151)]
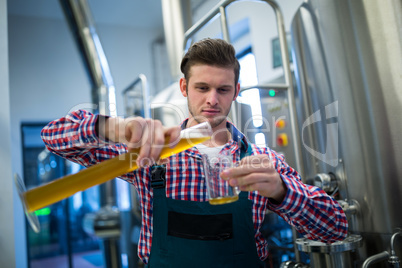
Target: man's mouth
[(210, 111)]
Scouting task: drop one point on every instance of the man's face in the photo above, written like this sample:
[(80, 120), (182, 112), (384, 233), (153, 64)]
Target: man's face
[(210, 92)]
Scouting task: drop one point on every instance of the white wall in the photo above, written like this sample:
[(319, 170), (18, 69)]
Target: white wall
[(47, 79), (7, 248), (47, 76)]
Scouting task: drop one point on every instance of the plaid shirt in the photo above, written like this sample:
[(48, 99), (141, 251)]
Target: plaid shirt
[(310, 210)]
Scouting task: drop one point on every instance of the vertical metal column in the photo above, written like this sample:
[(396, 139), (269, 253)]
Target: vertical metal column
[(82, 25), (176, 19)]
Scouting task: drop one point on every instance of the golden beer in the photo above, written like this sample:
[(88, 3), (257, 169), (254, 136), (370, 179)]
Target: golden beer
[(64, 187), (223, 200)]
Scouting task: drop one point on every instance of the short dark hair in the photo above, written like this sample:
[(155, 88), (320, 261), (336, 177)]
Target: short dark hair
[(214, 52)]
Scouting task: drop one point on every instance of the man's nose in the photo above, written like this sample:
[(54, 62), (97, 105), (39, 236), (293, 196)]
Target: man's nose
[(212, 98)]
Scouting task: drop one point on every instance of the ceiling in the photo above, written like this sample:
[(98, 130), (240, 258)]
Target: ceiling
[(132, 13)]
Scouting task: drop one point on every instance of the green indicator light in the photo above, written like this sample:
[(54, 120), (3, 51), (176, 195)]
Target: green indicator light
[(271, 93), (43, 212)]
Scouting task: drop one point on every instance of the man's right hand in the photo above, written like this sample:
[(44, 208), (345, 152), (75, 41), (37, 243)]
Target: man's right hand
[(137, 132)]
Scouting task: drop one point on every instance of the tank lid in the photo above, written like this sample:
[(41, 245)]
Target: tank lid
[(350, 243)]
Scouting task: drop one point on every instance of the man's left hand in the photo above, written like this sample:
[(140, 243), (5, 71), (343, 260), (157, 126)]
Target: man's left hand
[(257, 173)]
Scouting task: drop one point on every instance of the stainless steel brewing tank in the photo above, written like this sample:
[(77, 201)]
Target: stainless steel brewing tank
[(349, 109)]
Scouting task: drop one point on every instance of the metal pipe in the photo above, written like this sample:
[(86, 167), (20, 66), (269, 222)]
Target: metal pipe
[(226, 37), (375, 258), (224, 24), (288, 80), (204, 20), (393, 240), (291, 98), (175, 23), (79, 16), (393, 259), (266, 86), (296, 250), (82, 25)]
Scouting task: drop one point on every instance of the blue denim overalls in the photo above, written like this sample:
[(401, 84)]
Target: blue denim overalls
[(197, 234)]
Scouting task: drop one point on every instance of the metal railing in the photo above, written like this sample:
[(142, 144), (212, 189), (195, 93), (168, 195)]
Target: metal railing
[(143, 81)]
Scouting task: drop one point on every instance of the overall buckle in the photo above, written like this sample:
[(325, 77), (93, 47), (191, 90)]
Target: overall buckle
[(158, 176)]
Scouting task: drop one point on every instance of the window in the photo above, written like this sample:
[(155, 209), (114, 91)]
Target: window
[(248, 77)]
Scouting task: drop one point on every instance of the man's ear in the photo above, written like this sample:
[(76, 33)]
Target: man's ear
[(183, 86), (237, 91)]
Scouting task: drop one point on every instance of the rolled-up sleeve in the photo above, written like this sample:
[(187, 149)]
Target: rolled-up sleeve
[(313, 213)]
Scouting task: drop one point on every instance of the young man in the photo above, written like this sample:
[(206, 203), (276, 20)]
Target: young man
[(231, 234)]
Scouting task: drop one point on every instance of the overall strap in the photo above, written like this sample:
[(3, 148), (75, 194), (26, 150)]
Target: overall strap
[(158, 173), (245, 149)]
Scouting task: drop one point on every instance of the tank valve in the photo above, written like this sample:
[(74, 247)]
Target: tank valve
[(327, 182), (349, 207), (393, 260)]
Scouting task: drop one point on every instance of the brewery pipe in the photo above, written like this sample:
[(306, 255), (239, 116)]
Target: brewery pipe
[(79, 17), (375, 258), (393, 260)]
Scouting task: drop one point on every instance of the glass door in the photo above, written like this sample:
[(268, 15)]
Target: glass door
[(62, 241)]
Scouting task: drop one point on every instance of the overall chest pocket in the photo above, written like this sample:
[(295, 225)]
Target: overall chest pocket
[(200, 227)]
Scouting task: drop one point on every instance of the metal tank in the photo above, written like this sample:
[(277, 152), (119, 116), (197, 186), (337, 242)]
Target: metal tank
[(349, 105)]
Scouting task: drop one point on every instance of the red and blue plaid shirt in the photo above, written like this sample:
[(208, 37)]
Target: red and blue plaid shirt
[(310, 210)]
